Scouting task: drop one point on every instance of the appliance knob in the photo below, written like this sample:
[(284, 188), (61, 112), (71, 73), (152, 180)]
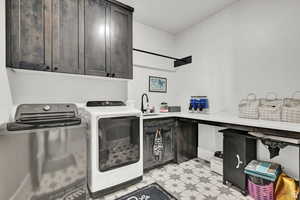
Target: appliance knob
[(46, 108)]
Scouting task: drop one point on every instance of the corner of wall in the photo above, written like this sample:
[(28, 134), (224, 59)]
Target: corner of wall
[(6, 99)]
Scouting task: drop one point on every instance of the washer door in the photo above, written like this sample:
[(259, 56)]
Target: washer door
[(119, 142)]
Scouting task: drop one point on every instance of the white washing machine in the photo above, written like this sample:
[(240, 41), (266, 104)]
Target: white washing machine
[(115, 146)]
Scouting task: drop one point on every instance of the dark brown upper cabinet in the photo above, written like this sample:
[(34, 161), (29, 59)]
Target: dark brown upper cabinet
[(67, 40), (91, 37), (97, 54), (28, 34), (121, 42)]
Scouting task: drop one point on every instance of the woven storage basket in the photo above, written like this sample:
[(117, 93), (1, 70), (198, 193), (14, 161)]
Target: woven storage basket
[(291, 109), (270, 108), (260, 191), (248, 108)]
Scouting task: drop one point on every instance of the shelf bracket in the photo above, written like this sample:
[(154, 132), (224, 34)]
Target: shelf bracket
[(177, 61)]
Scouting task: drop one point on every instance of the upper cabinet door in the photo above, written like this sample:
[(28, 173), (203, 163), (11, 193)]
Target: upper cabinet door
[(67, 20), (92, 37), (121, 42), (96, 38), (28, 35)]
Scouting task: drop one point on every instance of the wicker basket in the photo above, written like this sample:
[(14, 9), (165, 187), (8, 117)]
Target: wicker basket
[(291, 109), (248, 108), (270, 108), (260, 191)]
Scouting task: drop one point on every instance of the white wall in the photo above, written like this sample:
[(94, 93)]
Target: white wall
[(5, 99), (209, 141), (154, 40), (252, 46), (43, 87), (150, 39)]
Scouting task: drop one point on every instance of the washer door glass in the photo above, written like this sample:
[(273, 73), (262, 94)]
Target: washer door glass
[(119, 142)]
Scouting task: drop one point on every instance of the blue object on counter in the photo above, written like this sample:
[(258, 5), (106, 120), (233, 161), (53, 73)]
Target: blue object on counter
[(199, 103), (193, 104), (203, 101)]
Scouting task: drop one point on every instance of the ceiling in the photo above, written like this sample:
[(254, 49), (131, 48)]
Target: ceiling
[(175, 16)]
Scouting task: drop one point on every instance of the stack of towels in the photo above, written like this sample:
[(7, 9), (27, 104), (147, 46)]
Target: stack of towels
[(265, 170)]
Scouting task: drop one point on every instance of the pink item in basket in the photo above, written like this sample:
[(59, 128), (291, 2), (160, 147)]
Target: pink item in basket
[(261, 192)]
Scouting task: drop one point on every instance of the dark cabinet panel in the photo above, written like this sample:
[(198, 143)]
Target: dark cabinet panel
[(186, 140), (167, 128), (121, 42), (180, 139), (27, 35), (92, 37), (239, 150), (66, 24), (96, 38)]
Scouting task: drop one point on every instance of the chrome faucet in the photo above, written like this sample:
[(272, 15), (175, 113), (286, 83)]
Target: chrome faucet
[(142, 104)]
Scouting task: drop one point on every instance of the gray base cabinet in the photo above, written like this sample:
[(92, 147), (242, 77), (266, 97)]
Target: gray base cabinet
[(167, 127), (186, 140), (90, 37), (180, 139)]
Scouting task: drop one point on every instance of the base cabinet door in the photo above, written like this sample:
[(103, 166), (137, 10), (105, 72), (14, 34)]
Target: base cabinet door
[(239, 150), (186, 140), (167, 130)]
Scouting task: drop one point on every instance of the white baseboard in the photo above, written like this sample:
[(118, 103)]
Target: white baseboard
[(205, 154)]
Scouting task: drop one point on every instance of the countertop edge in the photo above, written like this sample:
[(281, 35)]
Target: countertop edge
[(231, 119)]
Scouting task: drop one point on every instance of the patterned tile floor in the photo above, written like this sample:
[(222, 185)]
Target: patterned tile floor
[(191, 180)]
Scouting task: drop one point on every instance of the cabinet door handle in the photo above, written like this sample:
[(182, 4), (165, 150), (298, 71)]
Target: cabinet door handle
[(239, 162), (113, 75), (107, 75), (55, 68)]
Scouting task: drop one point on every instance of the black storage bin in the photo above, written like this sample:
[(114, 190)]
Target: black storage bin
[(239, 149)]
